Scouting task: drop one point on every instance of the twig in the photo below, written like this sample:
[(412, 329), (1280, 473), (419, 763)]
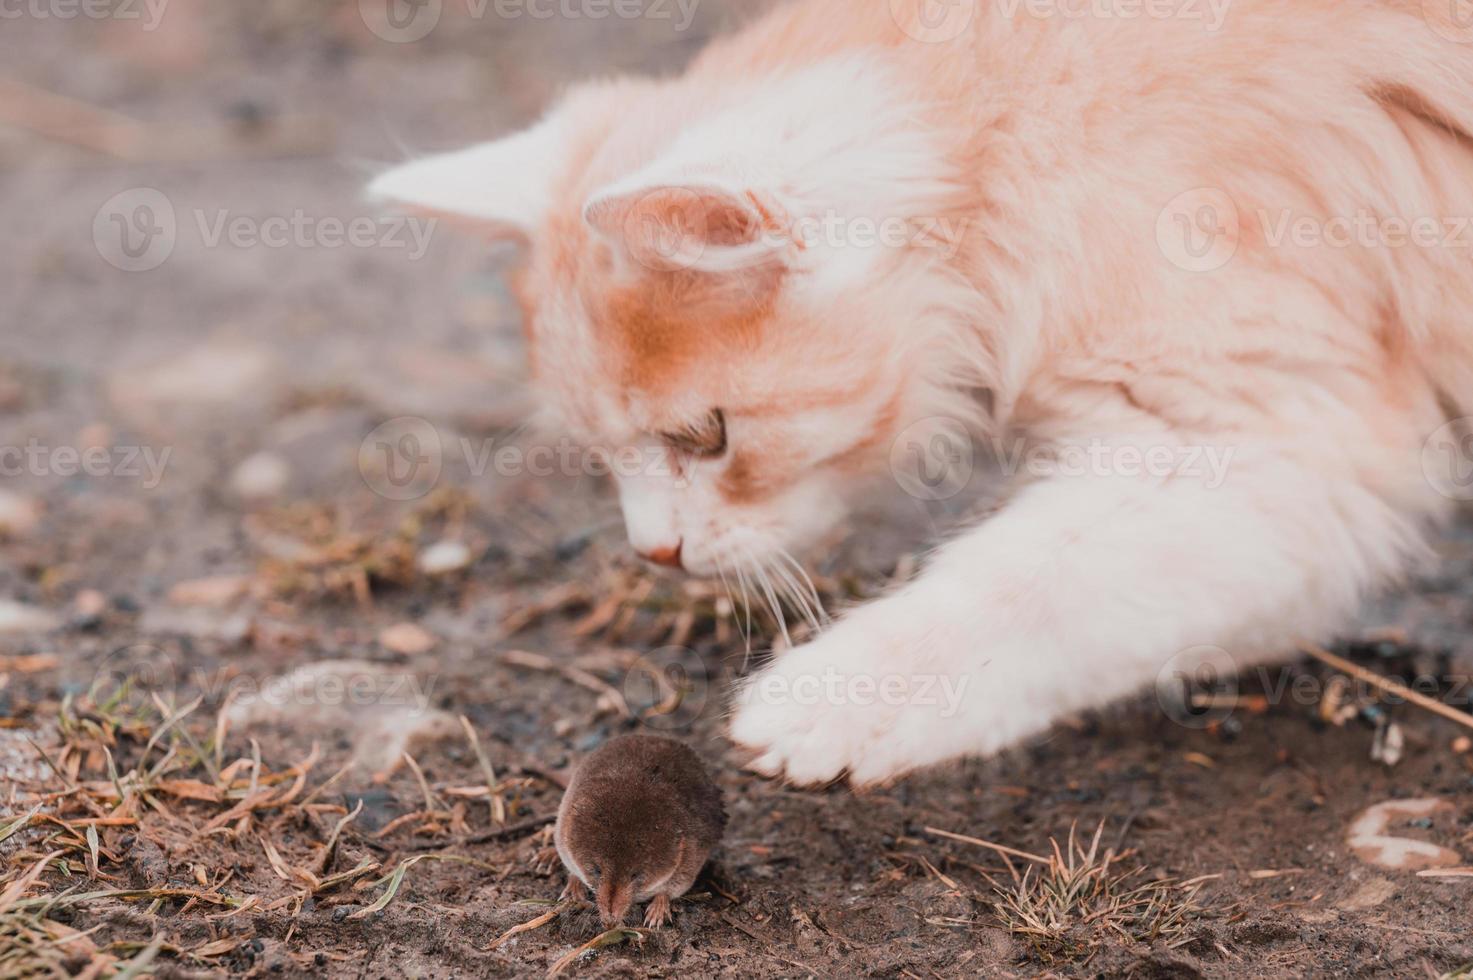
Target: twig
[(509, 832), (65, 120), (613, 937), (493, 791), (1388, 685), (1036, 859), (432, 805), (536, 661), (527, 926)]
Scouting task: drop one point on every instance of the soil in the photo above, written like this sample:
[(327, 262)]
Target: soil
[(291, 357)]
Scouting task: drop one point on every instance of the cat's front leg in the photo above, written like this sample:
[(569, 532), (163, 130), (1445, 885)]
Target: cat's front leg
[(1082, 590), (883, 691)]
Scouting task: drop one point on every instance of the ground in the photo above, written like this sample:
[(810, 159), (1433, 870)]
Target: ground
[(252, 402)]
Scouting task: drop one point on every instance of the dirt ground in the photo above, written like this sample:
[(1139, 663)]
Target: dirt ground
[(250, 402)]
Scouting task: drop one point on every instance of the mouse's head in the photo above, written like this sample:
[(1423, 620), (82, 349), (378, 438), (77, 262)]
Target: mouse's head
[(625, 854)]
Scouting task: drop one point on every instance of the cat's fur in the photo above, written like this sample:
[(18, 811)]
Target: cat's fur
[(1052, 159)]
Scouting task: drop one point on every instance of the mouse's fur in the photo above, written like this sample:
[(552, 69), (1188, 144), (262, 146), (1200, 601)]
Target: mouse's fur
[(639, 820)]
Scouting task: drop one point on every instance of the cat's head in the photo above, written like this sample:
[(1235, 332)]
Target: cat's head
[(736, 297)]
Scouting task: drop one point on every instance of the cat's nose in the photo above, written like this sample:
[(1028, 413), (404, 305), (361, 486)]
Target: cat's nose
[(669, 557)]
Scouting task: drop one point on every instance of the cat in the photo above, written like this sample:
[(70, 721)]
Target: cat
[(1127, 234)]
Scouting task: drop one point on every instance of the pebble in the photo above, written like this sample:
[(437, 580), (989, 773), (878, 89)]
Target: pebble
[(199, 622), (1370, 840), (217, 590), (1462, 744), (430, 382), (18, 515), (445, 557), (1376, 891), (90, 603), (406, 639), (17, 617), (262, 476), (18, 759), (383, 712), (88, 610), (217, 371)]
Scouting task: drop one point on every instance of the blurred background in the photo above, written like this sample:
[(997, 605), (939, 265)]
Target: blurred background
[(194, 267), (248, 428)]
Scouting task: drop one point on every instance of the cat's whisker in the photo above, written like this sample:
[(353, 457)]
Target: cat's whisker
[(790, 589), (813, 601), (747, 607), (726, 587), (764, 581)]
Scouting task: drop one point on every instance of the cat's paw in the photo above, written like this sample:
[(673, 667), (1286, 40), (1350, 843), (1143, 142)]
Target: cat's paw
[(848, 704)]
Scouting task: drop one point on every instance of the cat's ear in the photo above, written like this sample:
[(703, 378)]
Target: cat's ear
[(500, 189), (700, 225)]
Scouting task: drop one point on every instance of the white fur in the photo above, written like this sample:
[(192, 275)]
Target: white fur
[(506, 183), (1056, 148)]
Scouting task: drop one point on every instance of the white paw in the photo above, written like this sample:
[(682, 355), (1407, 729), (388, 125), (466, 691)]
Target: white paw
[(856, 702)]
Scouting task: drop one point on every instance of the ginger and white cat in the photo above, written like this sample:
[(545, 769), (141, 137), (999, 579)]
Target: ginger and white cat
[(1152, 235)]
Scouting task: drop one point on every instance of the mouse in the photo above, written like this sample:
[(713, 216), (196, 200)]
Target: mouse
[(639, 820)]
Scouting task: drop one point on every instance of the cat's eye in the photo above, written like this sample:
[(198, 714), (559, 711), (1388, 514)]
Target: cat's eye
[(705, 440)]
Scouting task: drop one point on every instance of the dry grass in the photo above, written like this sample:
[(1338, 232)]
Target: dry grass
[(315, 551), (1078, 898), (630, 603), (136, 790)]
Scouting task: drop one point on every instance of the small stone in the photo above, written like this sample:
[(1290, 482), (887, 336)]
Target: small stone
[(591, 741), (1376, 891), (199, 622), (445, 557), (431, 382), (218, 590), (1389, 745), (407, 639), (88, 610), (383, 712), (19, 761), (380, 806), (90, 603), (572, 546), (1370, 841), (18, 515), (1462, 744), (218, 372), (17, 617), (262, 476)]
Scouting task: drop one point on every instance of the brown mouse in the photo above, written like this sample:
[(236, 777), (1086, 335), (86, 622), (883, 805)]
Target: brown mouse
[(638, 822)]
